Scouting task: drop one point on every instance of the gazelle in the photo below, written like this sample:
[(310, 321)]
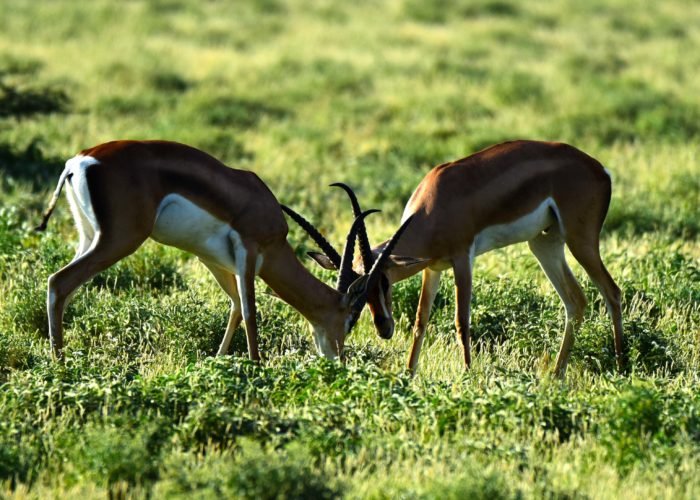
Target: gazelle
[(123, 192), (548, 194)]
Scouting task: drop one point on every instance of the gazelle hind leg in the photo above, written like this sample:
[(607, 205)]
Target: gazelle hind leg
[(102, 254), (548, 248), (227, 281), (588, 255), (86, 230), (246, 260), (429, 289)]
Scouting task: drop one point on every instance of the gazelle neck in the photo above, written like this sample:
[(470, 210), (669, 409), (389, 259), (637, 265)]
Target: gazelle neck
[(294, 284)]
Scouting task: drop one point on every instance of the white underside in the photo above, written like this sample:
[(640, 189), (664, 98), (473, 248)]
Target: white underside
[(523, 229), (182, 224)]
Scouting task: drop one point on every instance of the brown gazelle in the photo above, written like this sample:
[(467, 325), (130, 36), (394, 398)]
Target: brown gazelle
[(123, 192), (548, 194)]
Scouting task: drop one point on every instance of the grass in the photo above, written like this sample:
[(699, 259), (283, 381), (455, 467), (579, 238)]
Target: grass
[(372, 94)]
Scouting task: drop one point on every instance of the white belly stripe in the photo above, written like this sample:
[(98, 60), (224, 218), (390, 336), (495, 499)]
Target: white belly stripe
[(183, 224), (523, 229)]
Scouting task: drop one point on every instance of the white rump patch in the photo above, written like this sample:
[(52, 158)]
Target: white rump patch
[(523, 229), (79, 196)]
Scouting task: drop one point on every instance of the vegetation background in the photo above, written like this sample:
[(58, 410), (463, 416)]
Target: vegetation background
[(371, 93)]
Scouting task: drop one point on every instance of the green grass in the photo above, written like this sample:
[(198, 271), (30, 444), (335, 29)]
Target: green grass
[(372, 94)]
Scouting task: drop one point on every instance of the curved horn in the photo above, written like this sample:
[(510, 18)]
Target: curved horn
[(347, 275), (365, 247), (322, 242), (379, 263)]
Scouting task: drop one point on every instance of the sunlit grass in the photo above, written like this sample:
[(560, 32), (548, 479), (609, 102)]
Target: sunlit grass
[(372, 94)]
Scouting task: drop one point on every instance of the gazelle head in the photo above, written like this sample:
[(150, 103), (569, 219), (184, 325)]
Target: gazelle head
[(369, 282), (379, 297)]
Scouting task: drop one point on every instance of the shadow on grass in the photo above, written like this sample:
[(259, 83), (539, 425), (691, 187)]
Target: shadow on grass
[(20, 102), (635, 221), (630, 110), (28, 164), (227, 111), (441, 12)]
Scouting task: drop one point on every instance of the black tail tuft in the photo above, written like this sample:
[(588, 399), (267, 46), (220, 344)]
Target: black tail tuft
[(44, 221)]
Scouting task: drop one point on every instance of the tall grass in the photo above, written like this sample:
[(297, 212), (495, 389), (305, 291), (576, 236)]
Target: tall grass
[(372, 94)]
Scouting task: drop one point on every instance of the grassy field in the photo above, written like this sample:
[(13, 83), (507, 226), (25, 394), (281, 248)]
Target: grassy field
[(373, 94)]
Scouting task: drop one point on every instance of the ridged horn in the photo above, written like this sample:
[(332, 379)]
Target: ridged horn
[(347, 275), (322, 242), (379, 263), (365, 247)]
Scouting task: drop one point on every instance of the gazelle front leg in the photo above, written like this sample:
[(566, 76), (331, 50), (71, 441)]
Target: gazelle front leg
[(462, 267), (429, 289)]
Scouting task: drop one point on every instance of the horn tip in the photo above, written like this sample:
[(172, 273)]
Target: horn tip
[(344, 187)]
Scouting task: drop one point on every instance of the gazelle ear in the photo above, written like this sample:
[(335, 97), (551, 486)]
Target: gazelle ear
[(322, 260)]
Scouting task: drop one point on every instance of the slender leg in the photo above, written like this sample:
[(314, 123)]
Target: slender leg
[(462, 267), (227, 282), (246, 257), (549, 251), (429, 289), (102, 254), (589, 257)]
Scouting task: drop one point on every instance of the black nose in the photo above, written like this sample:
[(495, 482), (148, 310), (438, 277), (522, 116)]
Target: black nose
[(385, 327)]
